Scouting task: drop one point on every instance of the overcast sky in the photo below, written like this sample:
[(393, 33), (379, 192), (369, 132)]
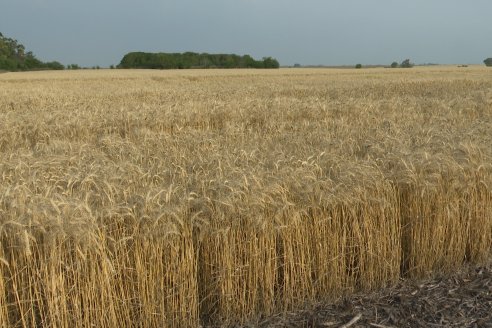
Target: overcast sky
[(330, 32)]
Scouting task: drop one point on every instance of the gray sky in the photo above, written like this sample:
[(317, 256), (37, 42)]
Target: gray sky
[(330, 32)]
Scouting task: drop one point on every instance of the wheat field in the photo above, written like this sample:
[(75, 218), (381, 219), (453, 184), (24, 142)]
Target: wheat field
[(213, 197)]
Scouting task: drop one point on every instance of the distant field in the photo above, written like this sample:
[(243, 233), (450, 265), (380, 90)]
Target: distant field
[(173, 198)]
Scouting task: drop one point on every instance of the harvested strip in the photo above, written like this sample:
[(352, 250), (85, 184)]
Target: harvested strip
[(463, 299)]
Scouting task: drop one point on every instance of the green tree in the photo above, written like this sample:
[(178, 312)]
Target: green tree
[(54, 65), (193, 60), (269, 62), (394, 65), (488, 62), (406, 64), (358, 66), (14, 57), (30, 62)]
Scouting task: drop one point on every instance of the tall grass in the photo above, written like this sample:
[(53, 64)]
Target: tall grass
[(174, 199)]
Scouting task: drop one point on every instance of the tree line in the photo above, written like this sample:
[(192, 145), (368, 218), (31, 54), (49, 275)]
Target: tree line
[(193, 60), (14, 57)]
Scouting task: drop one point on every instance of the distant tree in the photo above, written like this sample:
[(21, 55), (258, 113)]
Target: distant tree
[(358, 66), (488, 62), (406, 64), (54, 65), (30, 62), (297, 65), (394, 65), (250, 62), (193, 60), (269, 62), (73, 66), (14, 57), (111, 67)]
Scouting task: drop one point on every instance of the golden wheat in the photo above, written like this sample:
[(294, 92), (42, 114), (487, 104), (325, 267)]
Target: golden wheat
[(179, 198)]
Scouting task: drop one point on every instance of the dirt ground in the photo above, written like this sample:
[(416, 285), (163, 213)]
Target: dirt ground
[(462, 299)]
